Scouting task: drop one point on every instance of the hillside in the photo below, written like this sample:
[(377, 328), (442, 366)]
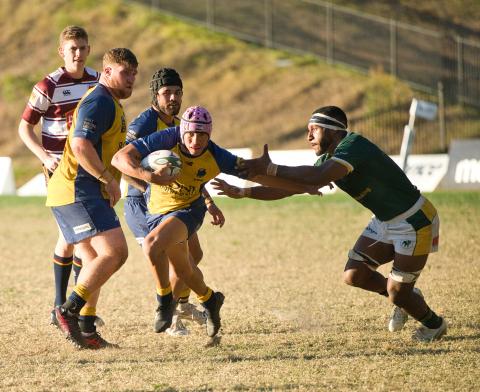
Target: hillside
[(460, 17), (255, 95)]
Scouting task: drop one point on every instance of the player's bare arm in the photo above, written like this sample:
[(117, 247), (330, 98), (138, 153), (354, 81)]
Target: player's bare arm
[(128, 159), (88, 158), (29, 137), (257, 192), (319, 176), (218, 219), (136, 183)]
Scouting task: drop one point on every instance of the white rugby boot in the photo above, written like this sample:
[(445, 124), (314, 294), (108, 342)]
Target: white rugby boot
[(424, 334), (188, 311), (177, 328), (399, 316)]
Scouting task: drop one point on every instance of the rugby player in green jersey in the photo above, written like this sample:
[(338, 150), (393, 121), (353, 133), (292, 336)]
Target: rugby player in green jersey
[(404, 228)]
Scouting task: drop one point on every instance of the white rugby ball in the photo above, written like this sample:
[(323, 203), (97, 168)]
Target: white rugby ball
[(161, 158)]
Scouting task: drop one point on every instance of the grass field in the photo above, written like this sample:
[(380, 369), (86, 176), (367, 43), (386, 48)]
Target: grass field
[(289, 323)]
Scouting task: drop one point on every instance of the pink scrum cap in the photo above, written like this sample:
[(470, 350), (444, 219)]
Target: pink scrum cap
[(196, 119)]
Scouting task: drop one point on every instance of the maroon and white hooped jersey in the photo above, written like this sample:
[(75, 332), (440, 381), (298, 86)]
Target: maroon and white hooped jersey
[(53, 101)]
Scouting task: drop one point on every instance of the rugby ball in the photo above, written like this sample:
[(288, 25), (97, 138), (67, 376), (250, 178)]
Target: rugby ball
[(161, 158)]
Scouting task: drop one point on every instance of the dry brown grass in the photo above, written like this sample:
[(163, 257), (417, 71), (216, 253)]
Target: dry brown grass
[(288, 321)]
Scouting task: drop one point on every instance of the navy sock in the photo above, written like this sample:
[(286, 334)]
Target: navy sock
[(165, 300), (384, 293), (62, 266), (431, 320), (87, 323), (74, 303), (77, 267)]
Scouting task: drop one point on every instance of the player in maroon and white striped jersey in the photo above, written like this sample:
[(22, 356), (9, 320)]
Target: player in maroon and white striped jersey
[(51, 104)]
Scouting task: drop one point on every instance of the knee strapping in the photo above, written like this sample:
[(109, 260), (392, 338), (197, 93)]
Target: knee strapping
[(404, 277), (363, 258)]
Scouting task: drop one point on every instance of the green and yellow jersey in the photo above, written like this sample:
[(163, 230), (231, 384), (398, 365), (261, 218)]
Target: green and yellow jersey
[(374, 179)]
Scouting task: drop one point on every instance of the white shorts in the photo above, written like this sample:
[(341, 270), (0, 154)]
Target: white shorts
[(413, 233)]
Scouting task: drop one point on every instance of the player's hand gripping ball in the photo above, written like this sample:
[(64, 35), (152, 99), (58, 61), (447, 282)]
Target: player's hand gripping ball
[(162, 158)]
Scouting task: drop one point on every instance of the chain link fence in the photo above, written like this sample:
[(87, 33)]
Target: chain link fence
[(438, 66)]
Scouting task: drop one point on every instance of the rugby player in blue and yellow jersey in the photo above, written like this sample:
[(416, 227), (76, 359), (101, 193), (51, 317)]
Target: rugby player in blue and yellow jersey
[(85, 187), (166, 89), (177, 209), (405, 226)]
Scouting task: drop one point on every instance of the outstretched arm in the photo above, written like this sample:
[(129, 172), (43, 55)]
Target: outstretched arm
[(256, 192), (319, 176)]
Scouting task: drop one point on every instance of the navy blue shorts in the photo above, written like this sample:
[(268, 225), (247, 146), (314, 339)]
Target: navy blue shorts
[(135, 211), (85, 219), (191, 216)]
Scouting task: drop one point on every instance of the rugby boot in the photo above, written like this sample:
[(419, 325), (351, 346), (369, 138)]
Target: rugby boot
[(99, 322), (68, 324), (212, 311), (53, 320), (189, 312), (163, 316), (177, 328), (424, 334), (399, 316), (94, 341)]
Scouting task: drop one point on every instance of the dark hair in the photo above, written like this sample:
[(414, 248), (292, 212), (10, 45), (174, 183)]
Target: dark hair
[(164, 77), (334, 112)]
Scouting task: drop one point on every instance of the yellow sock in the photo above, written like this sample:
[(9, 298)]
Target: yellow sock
[(88, 311), (206, 296), (164, 291), (82, 292)]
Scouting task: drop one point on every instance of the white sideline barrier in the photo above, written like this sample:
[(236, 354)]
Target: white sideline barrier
[(35, 187), (425, 171), (245, 153), (7, 181)]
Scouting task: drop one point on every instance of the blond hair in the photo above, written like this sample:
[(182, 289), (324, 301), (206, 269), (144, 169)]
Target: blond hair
[(121, 56), (73, 32)]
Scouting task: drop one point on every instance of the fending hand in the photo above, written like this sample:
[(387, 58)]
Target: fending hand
[(249, 168), (225, 189)]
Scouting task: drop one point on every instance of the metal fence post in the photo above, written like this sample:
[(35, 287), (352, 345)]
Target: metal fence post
[(210, 13), (329, 33), (460, 92), (441, 118), (393, 47), (268, 23)]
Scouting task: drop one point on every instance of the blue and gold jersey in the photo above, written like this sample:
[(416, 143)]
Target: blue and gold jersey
[(374, 179), (99, 118), (195, 173), (145, 124)]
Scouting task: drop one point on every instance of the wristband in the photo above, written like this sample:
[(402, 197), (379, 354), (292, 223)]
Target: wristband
[(272, 169), (102, 178), (101, 174)]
